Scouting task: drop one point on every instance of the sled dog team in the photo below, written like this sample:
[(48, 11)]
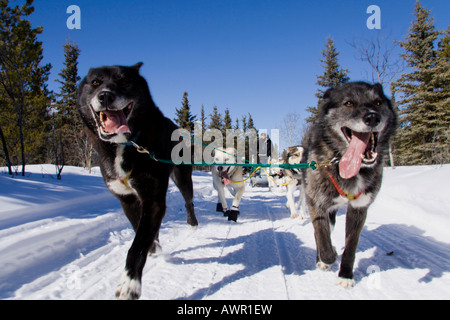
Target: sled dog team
[(351, 134)]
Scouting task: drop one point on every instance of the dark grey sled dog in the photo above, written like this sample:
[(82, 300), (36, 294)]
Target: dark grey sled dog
[(354, 126), (117, 108)]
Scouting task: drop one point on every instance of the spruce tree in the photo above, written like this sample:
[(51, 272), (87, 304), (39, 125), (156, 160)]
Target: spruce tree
[(236, 126), (244, 123), (333, 76), (203, 119), (421, 94), (441, 83), (184, 117), (216, 120), (227, 121), (444, 45), (250, 123), (23, 87), (251, 137), (68, 126)]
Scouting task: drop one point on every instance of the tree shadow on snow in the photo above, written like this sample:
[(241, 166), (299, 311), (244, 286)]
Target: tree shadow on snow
[(396, 246), (405, 247), (399, 246), (260, 251)]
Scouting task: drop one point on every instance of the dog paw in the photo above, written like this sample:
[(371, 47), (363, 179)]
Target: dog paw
[(294, 215), (303, 214), (155, 248), (346, 283), (233, 214), (193, 227), (192, 222), (128, 289), (323, 266)]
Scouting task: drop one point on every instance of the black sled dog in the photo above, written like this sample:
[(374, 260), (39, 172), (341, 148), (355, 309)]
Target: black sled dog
[(354, 126), (117, 109)]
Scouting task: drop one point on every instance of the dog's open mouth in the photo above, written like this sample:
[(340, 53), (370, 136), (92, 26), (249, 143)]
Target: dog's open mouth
[(112, 122), (361, 150), (225, 178)]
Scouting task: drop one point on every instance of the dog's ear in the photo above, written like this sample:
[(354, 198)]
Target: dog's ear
[(137, 66), (80, 88), (327, 93), (378, 88), (326, 102), (90, 71)]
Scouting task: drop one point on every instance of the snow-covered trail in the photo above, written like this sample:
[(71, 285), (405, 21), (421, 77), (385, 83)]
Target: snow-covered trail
[(78, 250)]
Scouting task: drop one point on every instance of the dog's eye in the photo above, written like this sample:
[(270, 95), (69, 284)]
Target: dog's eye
[(96, 83), (377, 102), (348, 103)]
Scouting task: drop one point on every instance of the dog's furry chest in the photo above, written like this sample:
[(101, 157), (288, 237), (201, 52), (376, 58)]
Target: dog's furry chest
[(119, 179), (327, 197), (294, 175)]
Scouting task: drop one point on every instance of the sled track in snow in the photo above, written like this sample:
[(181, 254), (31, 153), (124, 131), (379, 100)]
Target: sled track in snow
[(285, 260)]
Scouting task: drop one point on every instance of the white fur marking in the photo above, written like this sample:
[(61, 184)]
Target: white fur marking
[(364, 200), (323, 266), (128, 288), (117, 186), (118, 161), (346, 283), (340, 201)]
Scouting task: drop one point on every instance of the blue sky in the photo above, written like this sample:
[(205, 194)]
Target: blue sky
[(254, 56)]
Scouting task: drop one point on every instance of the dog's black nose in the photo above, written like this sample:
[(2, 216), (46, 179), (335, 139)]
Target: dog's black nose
[(219, 168), (372, 119), (106, 98)]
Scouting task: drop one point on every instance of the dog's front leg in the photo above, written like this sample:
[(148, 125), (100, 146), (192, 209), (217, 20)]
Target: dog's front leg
[(240, 192), (326, 253), (354, 224), (218, 185), (291, 187), (234, 212), (302, 200), (130, 281)]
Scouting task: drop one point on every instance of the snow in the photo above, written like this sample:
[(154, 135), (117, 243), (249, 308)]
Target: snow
[(68, 239)]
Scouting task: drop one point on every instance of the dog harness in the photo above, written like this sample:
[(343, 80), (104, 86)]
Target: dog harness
[(349, 196)]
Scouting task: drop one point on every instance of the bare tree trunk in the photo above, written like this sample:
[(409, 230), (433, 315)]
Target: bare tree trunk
[(87, 151), (5, 150), (22, 144), (391, 156), (59, 156)]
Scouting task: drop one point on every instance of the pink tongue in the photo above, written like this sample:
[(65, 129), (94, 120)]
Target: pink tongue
[(225, 179), (116, 122), (350, 163), (123, 129)]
